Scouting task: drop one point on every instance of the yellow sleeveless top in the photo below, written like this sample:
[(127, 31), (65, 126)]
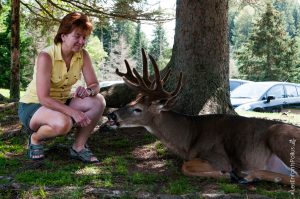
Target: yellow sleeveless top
[(61, 79)]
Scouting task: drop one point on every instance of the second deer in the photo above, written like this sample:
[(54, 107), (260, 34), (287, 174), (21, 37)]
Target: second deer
[(216, 145)]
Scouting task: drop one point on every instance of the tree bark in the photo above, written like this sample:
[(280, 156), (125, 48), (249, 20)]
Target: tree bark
[(15, 51), (201, 52)]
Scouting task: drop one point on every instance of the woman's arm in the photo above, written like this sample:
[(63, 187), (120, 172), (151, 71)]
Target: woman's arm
[(89, 74)]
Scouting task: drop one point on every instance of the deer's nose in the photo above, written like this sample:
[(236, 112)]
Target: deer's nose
[(112, 116)]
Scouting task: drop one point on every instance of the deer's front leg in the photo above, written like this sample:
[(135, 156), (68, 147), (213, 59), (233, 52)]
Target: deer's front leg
[(199, 167)]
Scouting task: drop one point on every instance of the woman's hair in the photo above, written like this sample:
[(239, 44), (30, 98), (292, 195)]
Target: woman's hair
[(70, 22)]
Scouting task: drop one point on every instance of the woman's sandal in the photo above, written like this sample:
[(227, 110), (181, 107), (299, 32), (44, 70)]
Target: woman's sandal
[(85, 155), (35, 151)]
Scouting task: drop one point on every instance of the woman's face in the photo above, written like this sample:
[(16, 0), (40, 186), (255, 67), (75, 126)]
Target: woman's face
[(75, 40)]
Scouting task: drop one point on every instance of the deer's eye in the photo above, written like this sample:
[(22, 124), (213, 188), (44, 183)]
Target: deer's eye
[(137, 110)]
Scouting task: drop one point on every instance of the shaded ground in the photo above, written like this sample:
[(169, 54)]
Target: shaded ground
[(133, 165)]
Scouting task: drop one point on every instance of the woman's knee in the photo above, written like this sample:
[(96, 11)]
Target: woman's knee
[(102, 101), (99, 102), (62, 125)]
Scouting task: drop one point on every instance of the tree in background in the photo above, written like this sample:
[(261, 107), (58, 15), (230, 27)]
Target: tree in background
[(139, 42), (241, 22), (119, 38), (159, 47), (111, 30), (270, 53), (5, 24), (104, 31), (290, 13), (118, 54), (292, 57), (137, 45), (126, 29), (243, 25), (26, 66), (96, 52)]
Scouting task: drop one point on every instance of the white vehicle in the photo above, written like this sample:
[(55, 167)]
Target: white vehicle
[(266, 97), (234, 83), (109, 83)]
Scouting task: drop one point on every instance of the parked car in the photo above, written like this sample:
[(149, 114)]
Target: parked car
[(109, 83), (234, 83), (266, 97)]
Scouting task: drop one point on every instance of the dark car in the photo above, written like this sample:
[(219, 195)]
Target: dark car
[(234, 83), (266, 97)]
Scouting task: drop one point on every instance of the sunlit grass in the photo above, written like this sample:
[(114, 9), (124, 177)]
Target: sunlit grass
[(5, 92), (61, 176), (40, 192), (161, 150), (290, 118), (89, 170), (64, 192), (11, 148)]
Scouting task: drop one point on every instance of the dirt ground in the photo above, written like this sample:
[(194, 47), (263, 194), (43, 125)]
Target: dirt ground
[(146, 160)]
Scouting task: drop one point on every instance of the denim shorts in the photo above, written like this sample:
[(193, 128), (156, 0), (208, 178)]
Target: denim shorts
[(26, 111)]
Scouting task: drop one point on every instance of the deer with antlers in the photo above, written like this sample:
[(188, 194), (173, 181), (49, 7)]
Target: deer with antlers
[(214, 145)]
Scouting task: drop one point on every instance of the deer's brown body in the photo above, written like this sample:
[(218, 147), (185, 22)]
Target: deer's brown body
[(213, 145), (228, 142)]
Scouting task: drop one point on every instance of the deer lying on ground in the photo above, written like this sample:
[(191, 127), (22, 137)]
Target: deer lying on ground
[(216, 145)]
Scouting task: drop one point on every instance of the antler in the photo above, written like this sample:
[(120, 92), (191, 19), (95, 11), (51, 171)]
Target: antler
[(153, 89), (129, 75)]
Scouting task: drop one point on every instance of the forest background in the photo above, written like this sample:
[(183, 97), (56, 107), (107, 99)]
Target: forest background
[(263, 38)]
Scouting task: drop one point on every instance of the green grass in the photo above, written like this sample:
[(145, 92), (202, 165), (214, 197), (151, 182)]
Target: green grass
[(119, 169), (160, 149), (231, 188), (145, 178), (180, 186), (8, 165), (278, 194), (10, 151), (116, 164)]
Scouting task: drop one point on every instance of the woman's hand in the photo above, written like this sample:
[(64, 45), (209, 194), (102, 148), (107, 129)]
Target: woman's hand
[(81, 92), (80, 118)]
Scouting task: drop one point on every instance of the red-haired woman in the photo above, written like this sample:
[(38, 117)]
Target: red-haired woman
[(48, 107)]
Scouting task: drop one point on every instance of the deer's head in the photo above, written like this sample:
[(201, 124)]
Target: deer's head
[(152, 98)]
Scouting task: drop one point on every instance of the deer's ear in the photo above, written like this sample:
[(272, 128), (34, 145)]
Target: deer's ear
[(158, 104), (169, 104), (164, 104)]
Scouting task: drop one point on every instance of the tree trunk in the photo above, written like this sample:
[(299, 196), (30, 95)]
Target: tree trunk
[(201, 52), (15, 51)]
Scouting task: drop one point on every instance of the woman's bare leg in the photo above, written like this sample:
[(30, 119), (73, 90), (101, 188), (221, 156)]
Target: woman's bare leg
[(47, 124), (93, 107)]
